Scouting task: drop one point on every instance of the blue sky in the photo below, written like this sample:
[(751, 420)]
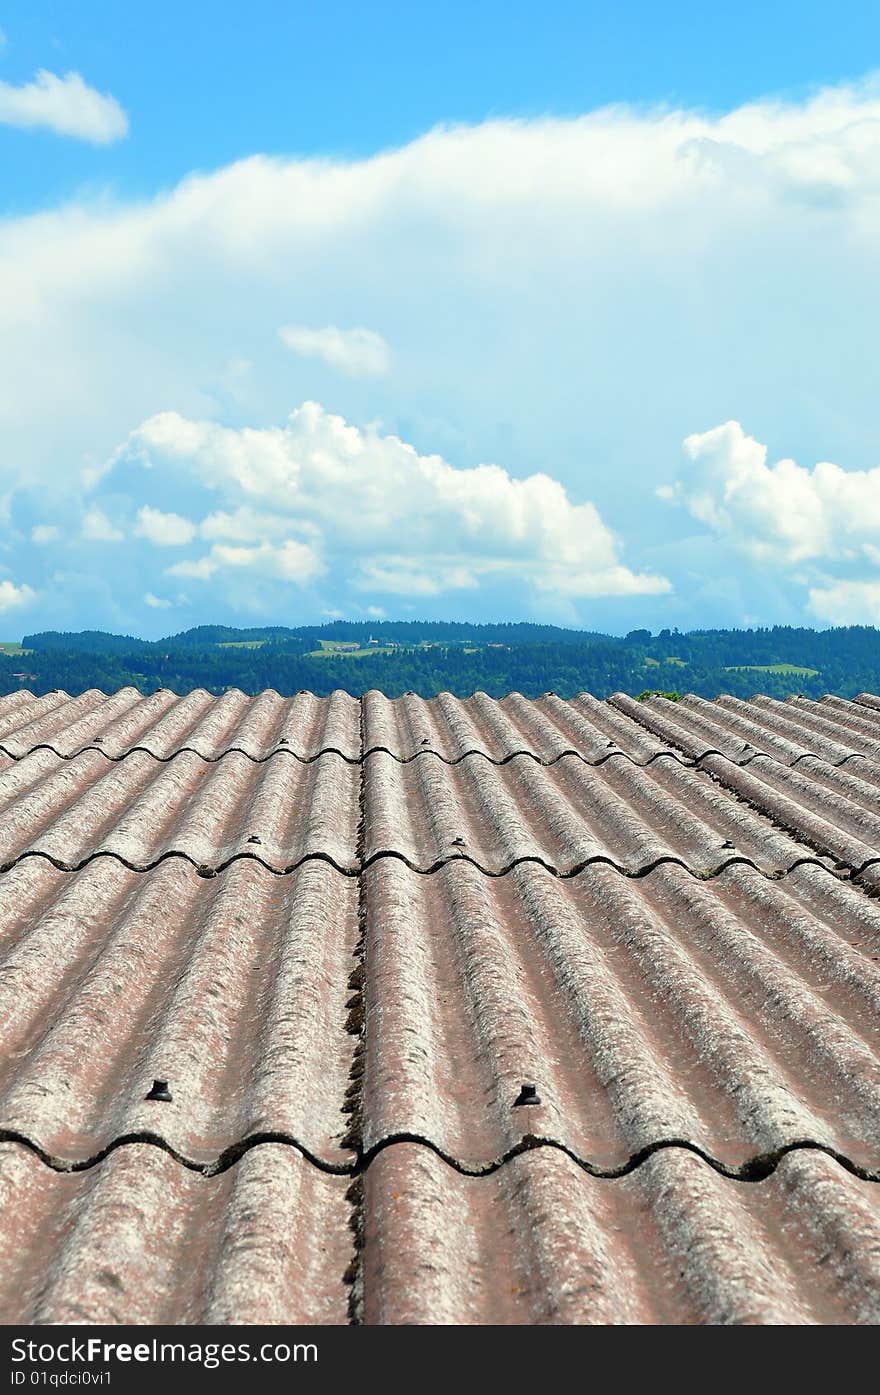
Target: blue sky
[(488, 311)]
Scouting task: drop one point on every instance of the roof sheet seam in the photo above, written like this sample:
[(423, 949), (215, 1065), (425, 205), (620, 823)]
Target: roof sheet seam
[(356, 1024), (596, 860), (755, 1168), (570, 752)]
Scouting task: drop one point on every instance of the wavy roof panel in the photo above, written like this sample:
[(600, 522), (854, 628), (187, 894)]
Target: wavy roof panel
[(164, 724), (565, 816), (739, 1015), (140, 1239), (466, 1010), (540, 1241), (141, 810), (232, 989)]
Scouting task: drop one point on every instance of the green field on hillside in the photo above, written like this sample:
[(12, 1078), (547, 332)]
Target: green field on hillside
[(771, 668), (333, 649)]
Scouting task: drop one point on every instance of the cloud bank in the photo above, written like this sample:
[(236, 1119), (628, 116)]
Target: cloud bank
[(319, 493), (570, 298)]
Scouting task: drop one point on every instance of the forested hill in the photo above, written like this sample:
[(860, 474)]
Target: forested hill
[(428, 657)]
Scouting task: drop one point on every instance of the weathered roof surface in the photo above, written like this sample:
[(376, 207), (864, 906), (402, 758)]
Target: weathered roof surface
[(721, 1013), (164, 724), (833, 729), (546, 728), (281, 812), (232, 988), (740, 1015), (565, 816), (347, 933), (140, 1239), (141, 810), (541, 1241)]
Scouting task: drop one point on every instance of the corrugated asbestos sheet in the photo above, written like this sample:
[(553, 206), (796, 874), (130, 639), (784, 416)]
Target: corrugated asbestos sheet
[(327, 1010)]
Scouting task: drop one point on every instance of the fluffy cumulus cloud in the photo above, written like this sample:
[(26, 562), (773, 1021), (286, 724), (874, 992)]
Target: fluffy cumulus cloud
[(569, 298), (289, 561), (847, 602), (794, 518), (783, 511), (361, 353), (318, 492), (12, 597), (96, 527), (164, 529), (65, 105)]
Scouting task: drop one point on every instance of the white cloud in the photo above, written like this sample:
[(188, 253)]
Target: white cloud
[(245, 524), (847, 603), (793, 521), (201, 569), (12, 596), (65, 105), (96, 527), (357, 494), (362, 353), (164, 529), (157, 602), (408, 576), (782, 512), (44, 533), (570, 296), (290, 561)]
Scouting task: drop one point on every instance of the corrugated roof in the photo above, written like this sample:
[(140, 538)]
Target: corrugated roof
[(232, 988), (834, 730), (348, 933), (140, 1239), (739, 1015), (426, 811), (541, 1241), (164, 724), (141, 810)]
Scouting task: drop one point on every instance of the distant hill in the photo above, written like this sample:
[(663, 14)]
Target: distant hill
[(432, 656), (356, 631), (85, 642)]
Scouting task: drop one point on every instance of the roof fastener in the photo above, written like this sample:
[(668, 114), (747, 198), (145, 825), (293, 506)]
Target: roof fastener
[(458, 842), (727, 843), (528, 1094), (254, 839), (160, 1091)]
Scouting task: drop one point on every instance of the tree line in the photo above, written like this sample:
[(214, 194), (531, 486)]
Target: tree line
[(436, 656)]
